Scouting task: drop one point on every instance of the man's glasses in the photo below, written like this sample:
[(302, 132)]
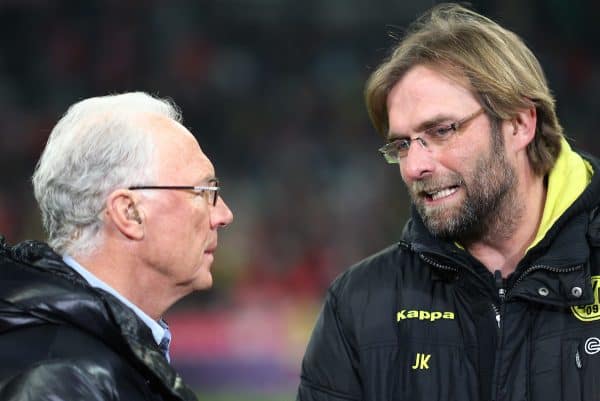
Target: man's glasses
[(432, 138), (210, 193)]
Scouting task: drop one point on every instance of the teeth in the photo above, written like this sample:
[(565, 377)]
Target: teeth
[(443, 193)]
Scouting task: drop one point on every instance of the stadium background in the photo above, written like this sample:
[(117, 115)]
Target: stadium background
[(273, 91)]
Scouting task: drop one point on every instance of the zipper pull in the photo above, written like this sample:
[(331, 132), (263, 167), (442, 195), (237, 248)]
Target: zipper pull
[(501, 294), (500, 285), (498, 317), (578, 360)]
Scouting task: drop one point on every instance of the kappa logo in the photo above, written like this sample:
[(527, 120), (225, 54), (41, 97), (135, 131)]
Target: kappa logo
[(591, 312), (430, 316)]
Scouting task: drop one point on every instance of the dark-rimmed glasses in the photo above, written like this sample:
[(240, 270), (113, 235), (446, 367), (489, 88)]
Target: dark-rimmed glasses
[(432, 138), (209, 192)]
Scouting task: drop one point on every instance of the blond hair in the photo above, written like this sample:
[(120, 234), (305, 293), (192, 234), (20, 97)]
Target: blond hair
[(501, 70)]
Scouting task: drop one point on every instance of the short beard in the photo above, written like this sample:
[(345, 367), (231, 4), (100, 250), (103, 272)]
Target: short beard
[(490, 207)]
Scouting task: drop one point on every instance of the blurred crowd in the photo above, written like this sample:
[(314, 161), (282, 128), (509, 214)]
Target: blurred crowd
[(273, 91)]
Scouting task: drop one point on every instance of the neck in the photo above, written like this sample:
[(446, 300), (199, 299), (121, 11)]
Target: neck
[(512, 228), (126, 276)]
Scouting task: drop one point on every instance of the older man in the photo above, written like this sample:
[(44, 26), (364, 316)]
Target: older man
[(492, 291), (132, 208)]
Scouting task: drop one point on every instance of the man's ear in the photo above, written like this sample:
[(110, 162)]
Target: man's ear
[(123, 211), (523, 128)]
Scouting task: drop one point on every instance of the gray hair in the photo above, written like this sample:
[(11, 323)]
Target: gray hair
[(98, 146)]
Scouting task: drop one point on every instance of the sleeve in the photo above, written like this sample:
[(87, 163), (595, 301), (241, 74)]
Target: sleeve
[(330, 364), (60, 381)]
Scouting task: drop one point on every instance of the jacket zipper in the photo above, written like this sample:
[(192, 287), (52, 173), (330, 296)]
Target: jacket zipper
[(501, 296), (440, 266), (497, 308), (543, 267), (436, 264), (504, 294), (499, 311)]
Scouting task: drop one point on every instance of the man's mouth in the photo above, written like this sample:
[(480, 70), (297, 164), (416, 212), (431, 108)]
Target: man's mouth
[(211, 249), (433, 195)]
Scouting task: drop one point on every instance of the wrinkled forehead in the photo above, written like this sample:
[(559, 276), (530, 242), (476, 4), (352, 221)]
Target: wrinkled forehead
[(425, 91), (449, 73)]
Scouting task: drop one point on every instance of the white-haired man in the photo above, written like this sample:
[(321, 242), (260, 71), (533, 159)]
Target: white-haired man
[(131, 206)]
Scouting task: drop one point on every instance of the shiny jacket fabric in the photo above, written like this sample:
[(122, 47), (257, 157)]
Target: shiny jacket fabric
[(61, 339), (423, 321)]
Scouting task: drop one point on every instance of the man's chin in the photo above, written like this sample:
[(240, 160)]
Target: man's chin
[(203, 278), (442, 223), (440, 215), (203, 282)]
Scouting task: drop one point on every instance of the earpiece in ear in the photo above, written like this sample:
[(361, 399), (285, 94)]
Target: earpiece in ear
[(133, 214)]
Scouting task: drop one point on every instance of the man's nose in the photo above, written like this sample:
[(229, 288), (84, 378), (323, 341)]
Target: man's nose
[(418, 161), (221, 214)]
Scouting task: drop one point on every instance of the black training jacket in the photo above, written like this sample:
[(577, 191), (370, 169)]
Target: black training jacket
[(424, 321), (62, 340)]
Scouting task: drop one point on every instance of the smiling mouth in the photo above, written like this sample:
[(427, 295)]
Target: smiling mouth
[(439, 193)]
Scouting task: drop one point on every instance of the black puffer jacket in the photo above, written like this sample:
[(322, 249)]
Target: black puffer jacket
[(61, 339), (425, 321)]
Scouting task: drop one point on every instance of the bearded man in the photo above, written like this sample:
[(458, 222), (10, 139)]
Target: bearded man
[(492, 292)]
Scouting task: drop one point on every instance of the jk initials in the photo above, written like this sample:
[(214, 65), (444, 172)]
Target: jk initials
[(422, 362)]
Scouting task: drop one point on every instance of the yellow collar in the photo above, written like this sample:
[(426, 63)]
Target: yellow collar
[(567, 180)]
